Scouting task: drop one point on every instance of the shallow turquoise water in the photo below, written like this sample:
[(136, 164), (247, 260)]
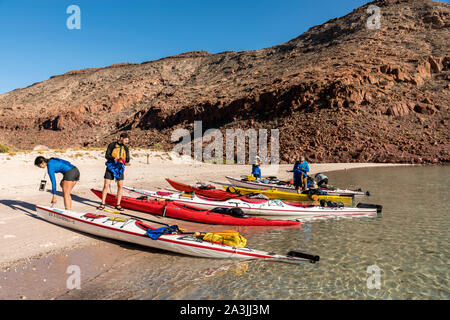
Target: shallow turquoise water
[(408, 243)]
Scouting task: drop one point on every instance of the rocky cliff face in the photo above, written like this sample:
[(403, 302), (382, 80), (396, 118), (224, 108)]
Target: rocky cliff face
[(340, 92)]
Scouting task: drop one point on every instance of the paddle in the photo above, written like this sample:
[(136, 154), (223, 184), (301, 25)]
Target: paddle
[(238, 195), (297, 254), (149, 220), (293, 255), (233, 197), (222, 183), (370, 206), (241, 195), (135, 217)]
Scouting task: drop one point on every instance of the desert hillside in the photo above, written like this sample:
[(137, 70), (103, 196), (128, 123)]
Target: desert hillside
[(340, 92)]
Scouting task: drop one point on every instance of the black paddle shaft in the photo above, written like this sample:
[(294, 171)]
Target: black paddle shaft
[(149, 220)]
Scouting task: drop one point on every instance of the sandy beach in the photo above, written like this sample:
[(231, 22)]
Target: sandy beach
[(32, 248)]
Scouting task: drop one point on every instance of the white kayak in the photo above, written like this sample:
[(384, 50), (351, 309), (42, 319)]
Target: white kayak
[(273, 207), (259, 185), (135, 231)]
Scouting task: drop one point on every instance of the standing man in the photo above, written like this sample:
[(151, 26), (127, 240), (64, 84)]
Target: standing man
[(118, 156), (301, 169), (256, 171)]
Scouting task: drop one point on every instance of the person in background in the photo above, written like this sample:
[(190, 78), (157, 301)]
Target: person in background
[(301, 169), (71, 175), (117, 156), (321, 179), (256, 170)]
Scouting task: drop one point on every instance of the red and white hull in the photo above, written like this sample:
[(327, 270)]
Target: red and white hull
[(288, 188), (273, 207), (135, 231)]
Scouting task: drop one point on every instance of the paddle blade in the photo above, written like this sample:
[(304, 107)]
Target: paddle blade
[(379, 207), (310, 257)]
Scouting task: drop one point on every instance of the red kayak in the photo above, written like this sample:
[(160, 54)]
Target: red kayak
[(211, 193), (176, 210)]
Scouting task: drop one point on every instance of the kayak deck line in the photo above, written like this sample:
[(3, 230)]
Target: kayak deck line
[(89, 222), (124, 231)]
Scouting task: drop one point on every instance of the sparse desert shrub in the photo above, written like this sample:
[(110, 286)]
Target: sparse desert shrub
[(3, 149)]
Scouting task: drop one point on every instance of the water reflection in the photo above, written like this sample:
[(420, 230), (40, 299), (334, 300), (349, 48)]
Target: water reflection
[(409, 242)]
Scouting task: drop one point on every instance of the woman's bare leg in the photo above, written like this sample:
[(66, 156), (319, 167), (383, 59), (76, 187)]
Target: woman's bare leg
[(67, 187)]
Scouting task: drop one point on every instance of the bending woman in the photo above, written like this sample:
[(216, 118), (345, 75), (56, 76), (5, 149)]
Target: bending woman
[(70, 176)]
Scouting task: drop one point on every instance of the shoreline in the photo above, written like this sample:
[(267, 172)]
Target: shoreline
[(37, 243)]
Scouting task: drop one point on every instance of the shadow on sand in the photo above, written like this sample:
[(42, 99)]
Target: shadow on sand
[(30, 210), (79, 199)]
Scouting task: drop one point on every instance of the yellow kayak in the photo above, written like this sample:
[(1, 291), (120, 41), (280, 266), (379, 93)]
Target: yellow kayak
[(289, 196)]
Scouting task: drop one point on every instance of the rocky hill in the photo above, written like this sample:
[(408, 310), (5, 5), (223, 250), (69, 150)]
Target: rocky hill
[(340, 92)]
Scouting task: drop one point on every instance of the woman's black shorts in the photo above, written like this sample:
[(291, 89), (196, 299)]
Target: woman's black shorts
[(72, 175)]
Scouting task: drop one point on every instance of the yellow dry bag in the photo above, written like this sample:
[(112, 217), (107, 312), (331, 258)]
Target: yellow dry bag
[(227, 237)]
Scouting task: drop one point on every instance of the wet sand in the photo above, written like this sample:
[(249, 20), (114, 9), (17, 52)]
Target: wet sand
[(35, 255)]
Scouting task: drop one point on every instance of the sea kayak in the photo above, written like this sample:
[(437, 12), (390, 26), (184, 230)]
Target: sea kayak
[(171, 239), (199, 190), (274, 193), (267, 184), (184, 211), (273, 207)]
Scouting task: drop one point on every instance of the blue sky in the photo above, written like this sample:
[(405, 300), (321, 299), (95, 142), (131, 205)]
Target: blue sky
[(36, 43)]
